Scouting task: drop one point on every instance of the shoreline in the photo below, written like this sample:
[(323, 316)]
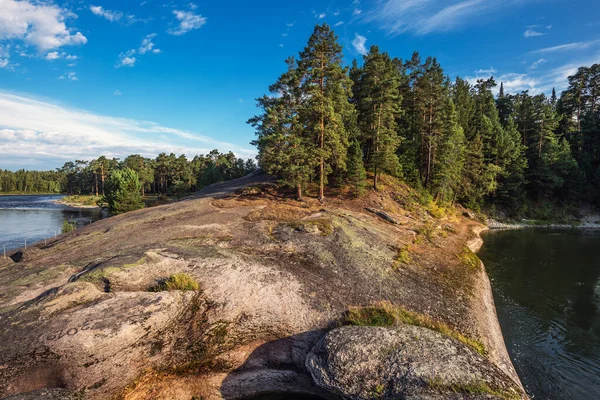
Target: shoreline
[(493, 224), (74, 205), (487, 308)]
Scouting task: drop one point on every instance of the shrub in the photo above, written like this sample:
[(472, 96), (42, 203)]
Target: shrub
[(180, 281), (68, 227)]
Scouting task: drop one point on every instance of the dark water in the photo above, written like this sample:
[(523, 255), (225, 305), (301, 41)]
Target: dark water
[(35, 218), (547, 290)]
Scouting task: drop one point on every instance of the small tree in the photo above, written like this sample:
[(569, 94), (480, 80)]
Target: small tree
[(68, 227), (356, 169), (123, 191)]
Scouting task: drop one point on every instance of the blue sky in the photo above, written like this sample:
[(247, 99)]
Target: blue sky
[(83, 78)]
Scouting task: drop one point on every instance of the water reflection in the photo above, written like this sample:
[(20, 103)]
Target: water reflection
[(546, 290), (34, 218)]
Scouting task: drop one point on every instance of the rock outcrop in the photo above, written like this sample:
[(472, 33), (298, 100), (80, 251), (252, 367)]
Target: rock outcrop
[(85, 315)]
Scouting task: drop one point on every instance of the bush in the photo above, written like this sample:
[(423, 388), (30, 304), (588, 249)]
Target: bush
[(123, 191), (68, 227), (180, 281)]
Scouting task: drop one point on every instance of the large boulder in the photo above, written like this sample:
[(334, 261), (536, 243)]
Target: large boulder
[(404, 362)]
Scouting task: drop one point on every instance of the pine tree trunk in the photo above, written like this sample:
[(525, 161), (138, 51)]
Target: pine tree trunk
[(299, 192), (102, 178), (322, 142), (376, 160), (96, 180)]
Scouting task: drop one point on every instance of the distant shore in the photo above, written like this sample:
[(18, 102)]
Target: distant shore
[(77, 201)]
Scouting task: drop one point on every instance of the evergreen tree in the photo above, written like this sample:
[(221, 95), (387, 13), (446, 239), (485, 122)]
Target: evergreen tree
[(450, 163), (325, 88), (284, 148), (356, 168), (377, 99), (123, 191)]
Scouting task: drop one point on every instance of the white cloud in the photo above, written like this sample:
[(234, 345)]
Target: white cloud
[(359, 43), (532, 33), (117, 93), (108, 14), (45, 131), (38, 24), (187, 21), (148, 45), (426, 16), (567, 47), (490, 71), (339, 23), (321, 15), (290, 24), (537, 63), (54, 55), (356, 12), (127, 58), (4, 56), (70, 76)]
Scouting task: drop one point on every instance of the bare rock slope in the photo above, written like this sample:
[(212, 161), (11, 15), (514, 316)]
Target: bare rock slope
[(82, 317)]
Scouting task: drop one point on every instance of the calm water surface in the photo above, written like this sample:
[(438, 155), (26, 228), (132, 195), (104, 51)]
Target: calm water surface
[(37, 217), (546, 286)]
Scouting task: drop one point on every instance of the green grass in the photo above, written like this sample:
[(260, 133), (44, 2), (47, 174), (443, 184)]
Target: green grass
[(474, 388), (403, 257), (470, 259), (386, 314), (84, 200), (180, 281)]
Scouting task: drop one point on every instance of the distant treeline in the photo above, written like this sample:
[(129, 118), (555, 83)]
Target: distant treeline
[(166, 174), (324, 122)]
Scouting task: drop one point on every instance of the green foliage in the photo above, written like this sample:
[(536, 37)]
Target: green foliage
[(378, 101), (180, 281), (386, 314), (356, 169), (68, 227), (472, 388), (123, 192)]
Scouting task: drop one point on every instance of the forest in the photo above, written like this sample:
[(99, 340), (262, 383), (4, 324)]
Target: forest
[(324, 124), (166, 174)]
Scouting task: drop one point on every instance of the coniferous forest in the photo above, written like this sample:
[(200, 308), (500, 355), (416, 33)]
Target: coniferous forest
[(166, 174), (324, 123)]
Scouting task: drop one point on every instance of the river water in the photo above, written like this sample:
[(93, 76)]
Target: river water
[(546, 286), (37, 217)]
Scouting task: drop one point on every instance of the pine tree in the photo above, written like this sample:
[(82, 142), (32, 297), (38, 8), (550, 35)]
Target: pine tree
[(123, 191), (284, 149), (356, 168), (450, 162), (377, 100), (325, 88)]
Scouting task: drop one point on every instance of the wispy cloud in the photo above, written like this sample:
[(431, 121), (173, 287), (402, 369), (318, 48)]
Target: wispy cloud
[(490, 71), (4, 56), (536, 64), (532, 33), (359, 44), (117, 93), (187, 21), (53, 134), (39, 24), (108, 14), (426, 16), (567, 47), (70, 76)]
